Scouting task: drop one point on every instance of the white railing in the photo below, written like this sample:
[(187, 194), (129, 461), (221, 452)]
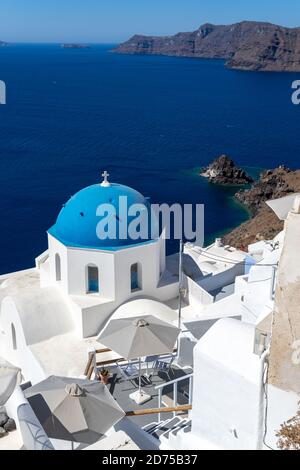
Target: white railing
[(175, 383), (41, 258)]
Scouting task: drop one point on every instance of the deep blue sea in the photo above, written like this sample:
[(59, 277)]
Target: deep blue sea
[(150, 121)]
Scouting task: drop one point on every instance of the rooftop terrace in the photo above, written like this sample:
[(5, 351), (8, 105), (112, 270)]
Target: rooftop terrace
[(121, 389)]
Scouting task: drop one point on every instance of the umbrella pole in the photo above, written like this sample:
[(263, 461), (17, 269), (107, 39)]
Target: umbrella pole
[(140, 376), (180, 284), (180, 292), (139, 396)]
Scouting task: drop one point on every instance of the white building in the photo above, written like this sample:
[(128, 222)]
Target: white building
[(51, 315), (246, 373)]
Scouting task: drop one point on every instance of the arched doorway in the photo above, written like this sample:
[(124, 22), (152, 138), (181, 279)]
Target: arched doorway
[(57, 267), (135, 277), (92, 279)]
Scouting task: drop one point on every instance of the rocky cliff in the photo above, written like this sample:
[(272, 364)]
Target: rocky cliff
[(272, 184), (263, 224), (246, 46)]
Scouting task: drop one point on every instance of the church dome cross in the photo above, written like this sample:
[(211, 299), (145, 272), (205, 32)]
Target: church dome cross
[(105, 181)]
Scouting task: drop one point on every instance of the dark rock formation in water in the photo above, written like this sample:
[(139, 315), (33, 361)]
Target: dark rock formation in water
[(247, 45), (223, 170)]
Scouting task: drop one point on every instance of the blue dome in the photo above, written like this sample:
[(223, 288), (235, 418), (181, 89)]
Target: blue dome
[(78, 222)]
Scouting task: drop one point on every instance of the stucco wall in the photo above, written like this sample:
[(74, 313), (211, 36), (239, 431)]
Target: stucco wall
[(114, 268), (22, 355), (284, 370), (226, 386), (91, 311)]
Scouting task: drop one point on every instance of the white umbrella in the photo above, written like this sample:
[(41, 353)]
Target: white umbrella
[(74, 409), (136, 337), (10, 376)]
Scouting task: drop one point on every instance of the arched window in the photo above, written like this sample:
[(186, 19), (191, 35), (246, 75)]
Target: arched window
[(135, 276), (57, 267), (13, 336), (92, 279)]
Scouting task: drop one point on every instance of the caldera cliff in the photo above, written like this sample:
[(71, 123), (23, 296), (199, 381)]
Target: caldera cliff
[(247, 45), (263, 223)]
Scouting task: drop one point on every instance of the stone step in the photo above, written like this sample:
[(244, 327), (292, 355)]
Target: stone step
[(150, 427), (166, 427), (184, 424)]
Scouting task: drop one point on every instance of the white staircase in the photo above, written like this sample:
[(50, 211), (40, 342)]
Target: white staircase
[(166, 432)]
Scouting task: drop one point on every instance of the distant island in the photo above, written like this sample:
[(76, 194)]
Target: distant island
[(3, 43), (75, 46), (249, 45)]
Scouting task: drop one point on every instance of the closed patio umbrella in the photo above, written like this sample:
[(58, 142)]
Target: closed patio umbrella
[(135, 337), (9, 378), (74, 409)]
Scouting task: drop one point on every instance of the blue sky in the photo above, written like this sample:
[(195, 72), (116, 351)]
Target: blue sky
[(116, 20)]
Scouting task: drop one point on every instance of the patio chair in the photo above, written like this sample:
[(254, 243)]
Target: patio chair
[(149, 361), (129, 372), (162, 364)]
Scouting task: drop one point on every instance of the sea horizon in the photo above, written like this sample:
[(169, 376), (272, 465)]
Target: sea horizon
[(148, 120)]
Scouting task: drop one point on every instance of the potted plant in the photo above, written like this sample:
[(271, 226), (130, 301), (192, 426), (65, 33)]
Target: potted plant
[(103, 376), (289, 434)]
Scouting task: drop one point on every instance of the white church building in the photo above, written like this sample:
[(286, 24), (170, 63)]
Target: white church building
[(80, 280), (51, 316)]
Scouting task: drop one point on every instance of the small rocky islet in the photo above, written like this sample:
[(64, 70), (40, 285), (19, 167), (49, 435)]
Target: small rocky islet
[(272, 184), (224, 171)]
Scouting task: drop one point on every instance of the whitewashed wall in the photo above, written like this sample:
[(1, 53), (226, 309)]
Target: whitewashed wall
[(21, 356), (226, 387), (93, 310)]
